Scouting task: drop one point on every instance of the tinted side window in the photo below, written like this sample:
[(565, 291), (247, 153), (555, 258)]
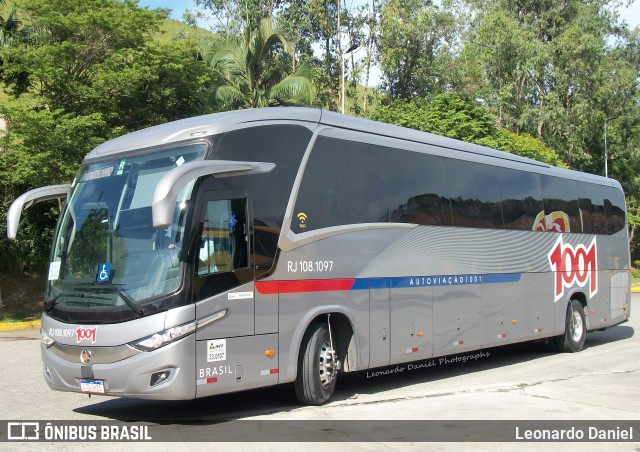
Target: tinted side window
[(521, 199), (343, 183), (366, 182), (560, 205), (322, 199), (615, 209), (417, 185), (283, 145), (591, 203), (475, 197)]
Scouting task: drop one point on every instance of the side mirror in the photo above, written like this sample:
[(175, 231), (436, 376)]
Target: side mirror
[(29, 198), (169, 186)]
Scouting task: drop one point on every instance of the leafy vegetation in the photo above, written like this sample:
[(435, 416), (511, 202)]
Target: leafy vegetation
[(253, 70), (546, 80), (453, 116), (96, 74)]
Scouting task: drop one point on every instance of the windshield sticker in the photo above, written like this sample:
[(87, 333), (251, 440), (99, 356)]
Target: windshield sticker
[(97, 174), (54, 271), (180, 161), (104, 272), (121, 168)]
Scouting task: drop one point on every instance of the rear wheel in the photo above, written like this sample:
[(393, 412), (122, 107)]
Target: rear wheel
[(317, 366), (575, 331)]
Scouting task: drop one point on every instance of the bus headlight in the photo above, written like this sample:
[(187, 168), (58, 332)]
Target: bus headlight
[(163, 338)]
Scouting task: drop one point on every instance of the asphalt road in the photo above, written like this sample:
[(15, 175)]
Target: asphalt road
[(520, 382)]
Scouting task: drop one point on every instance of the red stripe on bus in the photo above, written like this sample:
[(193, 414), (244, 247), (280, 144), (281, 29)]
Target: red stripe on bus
[(302, 286), (267, 287)]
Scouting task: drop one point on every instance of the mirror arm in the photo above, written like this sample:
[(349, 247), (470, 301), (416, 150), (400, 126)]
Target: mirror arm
[(168, 187), (29, 198)]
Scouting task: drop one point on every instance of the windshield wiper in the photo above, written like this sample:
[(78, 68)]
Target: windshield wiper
[(114, 288), (50, 304)]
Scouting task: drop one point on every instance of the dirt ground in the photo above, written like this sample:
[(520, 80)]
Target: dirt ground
[(21, 297)]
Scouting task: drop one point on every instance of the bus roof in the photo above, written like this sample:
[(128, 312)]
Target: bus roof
[(207, 125), (198, 126)]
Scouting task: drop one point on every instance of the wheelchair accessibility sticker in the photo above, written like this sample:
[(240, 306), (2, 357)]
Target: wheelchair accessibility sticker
[(104, 272)]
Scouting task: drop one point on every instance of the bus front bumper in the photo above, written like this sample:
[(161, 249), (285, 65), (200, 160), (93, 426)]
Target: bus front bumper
[(164, 374)]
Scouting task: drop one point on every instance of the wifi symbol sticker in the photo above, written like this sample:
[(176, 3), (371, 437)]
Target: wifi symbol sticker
[(302, 217)]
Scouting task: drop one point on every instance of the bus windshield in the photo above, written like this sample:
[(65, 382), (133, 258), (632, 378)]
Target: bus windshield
[(107, 256)]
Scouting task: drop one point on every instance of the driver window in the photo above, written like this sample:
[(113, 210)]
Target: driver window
[(223, 242)]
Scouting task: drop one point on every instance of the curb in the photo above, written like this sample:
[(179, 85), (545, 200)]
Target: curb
[(15, 326)]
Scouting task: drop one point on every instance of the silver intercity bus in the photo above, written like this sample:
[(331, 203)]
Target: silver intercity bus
[(259, 247)]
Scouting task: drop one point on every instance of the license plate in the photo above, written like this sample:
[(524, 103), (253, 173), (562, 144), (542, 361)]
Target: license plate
[(92, 386)]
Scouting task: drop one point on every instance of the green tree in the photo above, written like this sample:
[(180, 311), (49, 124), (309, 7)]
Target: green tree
[(314, 23), (232, 16), (80, 37), (453, 116), (449, 115), (492, 67), (565, 72), (522, 144), (153, 84), (371, 35), (547, 68), (9, 27), (97, 75), (254, 70), (41, 148), (320, 36), (415, 37)]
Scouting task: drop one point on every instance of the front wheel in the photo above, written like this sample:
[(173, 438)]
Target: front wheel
[(317, 366), (575, 331)]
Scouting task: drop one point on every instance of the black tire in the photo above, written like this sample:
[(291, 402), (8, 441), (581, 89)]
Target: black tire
[(317, 370), (575, 329)]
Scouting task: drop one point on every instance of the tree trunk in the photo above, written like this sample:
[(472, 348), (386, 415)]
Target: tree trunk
[(341, 61), (368, 58), (540, 121)]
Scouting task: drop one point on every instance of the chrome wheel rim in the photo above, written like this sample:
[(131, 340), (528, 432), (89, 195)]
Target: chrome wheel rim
[(577, 326), (327, 365)]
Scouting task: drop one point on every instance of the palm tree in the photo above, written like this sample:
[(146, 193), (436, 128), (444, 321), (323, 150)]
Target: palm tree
[(8, 27), (252, 73), (12, 32)]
